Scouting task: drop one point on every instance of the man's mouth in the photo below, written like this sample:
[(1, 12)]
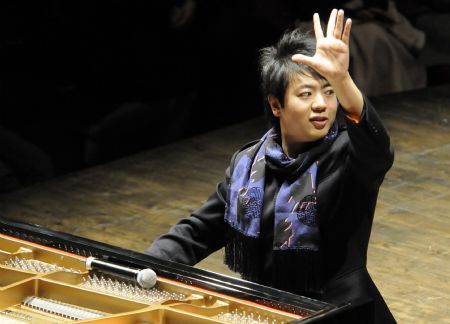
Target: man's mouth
[(319, 122)]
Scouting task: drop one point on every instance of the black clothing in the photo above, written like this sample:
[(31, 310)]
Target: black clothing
[(349, 176)]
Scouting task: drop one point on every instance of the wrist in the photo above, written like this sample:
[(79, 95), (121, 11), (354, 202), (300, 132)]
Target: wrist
[(348, 95), (340, 80)]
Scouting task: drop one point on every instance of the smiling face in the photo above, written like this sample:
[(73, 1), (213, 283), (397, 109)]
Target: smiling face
[(307, 114)]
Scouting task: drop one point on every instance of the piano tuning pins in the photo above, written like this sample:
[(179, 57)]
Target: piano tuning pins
[(36, 266), (57, 308), (128, 290), (237, 317), (14, 317)]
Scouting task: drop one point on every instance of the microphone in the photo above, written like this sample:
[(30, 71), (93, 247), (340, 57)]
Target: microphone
[(146, 278)]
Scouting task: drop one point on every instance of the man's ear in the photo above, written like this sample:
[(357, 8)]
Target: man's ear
[(274, 105)]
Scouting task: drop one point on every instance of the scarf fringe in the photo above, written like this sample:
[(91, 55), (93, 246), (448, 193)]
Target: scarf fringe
[(298, 271), (241, 254)]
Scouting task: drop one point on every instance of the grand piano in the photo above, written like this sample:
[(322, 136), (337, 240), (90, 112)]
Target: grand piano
[(44, 278)]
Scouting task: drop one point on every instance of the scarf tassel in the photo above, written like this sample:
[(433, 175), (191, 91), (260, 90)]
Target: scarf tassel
[(298, 271), (241, 254)]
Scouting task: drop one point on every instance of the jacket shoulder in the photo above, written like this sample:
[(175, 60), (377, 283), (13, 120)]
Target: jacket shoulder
[(245, 149)]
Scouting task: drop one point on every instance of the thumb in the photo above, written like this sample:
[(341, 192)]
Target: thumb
[(300, 58)]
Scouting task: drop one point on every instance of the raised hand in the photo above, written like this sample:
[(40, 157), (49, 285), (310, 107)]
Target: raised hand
[(331, 59)]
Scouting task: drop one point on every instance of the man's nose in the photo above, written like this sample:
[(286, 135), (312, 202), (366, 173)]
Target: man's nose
[(319, 102)]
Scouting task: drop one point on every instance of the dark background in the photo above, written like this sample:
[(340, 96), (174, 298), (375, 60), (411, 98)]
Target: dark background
[(85, 82)]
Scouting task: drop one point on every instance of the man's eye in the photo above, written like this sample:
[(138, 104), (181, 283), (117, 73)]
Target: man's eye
[(305, 94), (329, 92)]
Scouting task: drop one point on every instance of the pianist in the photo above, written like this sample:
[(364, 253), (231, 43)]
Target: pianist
[(295, 208)]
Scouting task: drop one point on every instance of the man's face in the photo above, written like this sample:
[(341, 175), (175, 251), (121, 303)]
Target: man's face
[(308, 112)]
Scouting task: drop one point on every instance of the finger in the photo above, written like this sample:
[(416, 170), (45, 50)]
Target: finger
[(331, 22), (339, 24), (346, 33), (317, 27)]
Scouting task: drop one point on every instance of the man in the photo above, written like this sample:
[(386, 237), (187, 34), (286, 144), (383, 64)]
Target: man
[(296, 207)]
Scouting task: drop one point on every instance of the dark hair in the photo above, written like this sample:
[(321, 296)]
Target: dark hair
[(277, 67)]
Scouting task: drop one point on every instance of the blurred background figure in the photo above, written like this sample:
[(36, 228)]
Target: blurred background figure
[(390, 55), (433, 18)]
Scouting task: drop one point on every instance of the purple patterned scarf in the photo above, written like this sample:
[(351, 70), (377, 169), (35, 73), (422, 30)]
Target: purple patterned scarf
[(296, 228)]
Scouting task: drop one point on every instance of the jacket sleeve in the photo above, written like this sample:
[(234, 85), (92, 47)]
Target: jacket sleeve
[(197, 236), (371, 152)]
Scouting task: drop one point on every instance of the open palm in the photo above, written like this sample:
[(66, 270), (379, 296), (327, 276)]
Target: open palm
[(332, 55)]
